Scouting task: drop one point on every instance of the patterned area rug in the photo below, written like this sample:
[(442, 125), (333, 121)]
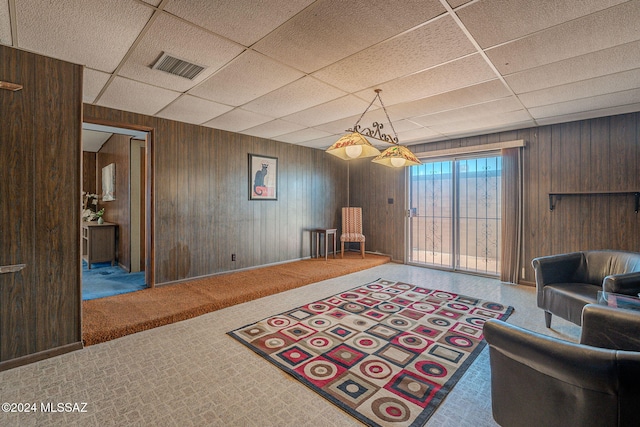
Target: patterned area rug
[(386, 352)]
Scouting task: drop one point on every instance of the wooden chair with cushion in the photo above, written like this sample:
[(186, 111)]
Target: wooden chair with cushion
[(351, 229)]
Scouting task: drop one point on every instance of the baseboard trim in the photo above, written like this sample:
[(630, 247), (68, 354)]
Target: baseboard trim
[(34, 357), (204, 276), (189, 279)]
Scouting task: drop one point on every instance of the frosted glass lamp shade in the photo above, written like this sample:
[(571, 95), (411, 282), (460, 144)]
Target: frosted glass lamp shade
[(398, 162), (353, 151)]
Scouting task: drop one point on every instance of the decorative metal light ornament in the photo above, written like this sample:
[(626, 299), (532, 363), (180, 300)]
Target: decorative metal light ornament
[(354, 145)]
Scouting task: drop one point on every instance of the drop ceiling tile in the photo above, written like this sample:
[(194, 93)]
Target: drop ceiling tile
[(93, 82), (303, 135), (603, 62), (587, 104), (237, 120), (418, 134), (470, 113), (181, 40), (340, 126), (401, 126), (244, 21), (321, 143), (456, 3), (475, 94), (585, 67), (190, 109), (426, 46), (584, 89), (450, 76), (92, 32), (333, 110), (246, 78), (5, 23), (129, 95), (484, 122), (272, 129), (584, 115), (302, 94), (375, 114), (492, 22), (93, 140), (602, 30), (491, 128), (327, 31)]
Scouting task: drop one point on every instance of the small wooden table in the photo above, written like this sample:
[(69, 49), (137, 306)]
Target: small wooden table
[(327, 232), (98, 242)]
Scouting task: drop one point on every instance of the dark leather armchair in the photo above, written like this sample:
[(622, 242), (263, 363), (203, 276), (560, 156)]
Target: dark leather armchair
[(566, 283), (537, 380)]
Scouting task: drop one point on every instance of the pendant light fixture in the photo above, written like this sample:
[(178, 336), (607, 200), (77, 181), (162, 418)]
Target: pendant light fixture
[(397, 157), (354, 145)]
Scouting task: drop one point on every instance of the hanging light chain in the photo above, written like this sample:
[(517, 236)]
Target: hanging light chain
[(387, 114), (365, 111), (376, 133)]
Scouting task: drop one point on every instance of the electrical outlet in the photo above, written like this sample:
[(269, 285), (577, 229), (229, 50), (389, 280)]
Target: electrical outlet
[(523, 270), (233, 257)]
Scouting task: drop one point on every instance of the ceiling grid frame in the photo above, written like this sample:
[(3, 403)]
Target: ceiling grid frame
[(422, 53), (484, 56)]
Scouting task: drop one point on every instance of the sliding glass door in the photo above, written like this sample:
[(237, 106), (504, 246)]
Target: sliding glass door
[(455, 213)]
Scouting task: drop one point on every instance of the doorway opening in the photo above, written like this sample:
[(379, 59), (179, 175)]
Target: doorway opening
[(455, 214), (116, 185)]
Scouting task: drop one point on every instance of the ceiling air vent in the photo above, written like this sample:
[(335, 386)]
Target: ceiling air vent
[(177, 67)]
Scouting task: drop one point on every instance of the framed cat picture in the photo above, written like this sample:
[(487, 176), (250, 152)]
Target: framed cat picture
[(263, 177)]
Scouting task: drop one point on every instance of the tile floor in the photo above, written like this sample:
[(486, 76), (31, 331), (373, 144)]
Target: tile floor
[(192, 374)]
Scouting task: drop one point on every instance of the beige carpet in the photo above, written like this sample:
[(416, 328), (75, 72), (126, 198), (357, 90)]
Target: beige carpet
[(108, 318)]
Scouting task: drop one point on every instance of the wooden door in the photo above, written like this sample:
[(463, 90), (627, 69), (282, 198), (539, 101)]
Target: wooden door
[(17, 297), (39, 207)]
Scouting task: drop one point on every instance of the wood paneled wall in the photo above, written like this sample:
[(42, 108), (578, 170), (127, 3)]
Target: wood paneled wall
[(117, 150), (40, 208), (590, 155), (379, 190), (89, 172), (202, 211)]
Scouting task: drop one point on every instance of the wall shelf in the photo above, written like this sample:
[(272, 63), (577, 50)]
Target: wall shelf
[(559, 195)]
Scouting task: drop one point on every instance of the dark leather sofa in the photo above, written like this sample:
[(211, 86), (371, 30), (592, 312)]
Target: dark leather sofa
[(566, 283), (537, 380)]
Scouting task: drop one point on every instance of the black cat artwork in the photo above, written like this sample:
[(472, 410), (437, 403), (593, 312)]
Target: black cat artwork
[(259, 179), (263, 176)]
